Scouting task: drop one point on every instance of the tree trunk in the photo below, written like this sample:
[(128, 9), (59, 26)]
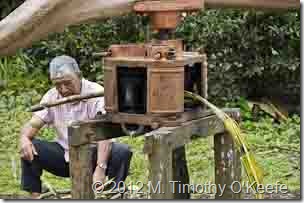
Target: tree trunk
[(35, 19)]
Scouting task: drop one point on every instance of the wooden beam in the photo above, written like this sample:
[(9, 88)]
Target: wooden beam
[(81, 169), (94, 130), (256, 4), (181, 135), (148, 119), (102, 129), (176, 5)]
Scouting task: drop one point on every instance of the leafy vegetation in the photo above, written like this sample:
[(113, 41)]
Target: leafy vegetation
[(250, 53), (7, 6)]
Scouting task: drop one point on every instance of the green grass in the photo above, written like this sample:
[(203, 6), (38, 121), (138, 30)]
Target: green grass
[(277, 167), (200, 165)]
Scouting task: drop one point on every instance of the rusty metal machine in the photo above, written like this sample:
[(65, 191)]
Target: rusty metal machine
[(144, 83)]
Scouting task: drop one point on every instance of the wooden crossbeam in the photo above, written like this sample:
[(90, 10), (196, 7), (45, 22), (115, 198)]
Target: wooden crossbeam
[(94, 130), (103, 129), (178, 136)]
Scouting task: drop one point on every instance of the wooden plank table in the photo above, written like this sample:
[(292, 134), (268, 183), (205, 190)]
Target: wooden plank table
[(166, 152)]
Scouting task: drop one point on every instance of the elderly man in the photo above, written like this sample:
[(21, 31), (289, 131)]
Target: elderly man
[(110, 158)]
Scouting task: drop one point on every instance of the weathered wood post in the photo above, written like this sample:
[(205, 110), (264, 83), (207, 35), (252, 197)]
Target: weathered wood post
[(81, 135), (167, 158), (80, 164), (180, 173), (227, 166), (160, 166)]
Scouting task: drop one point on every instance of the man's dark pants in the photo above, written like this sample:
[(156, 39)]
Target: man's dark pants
[(51, 158)]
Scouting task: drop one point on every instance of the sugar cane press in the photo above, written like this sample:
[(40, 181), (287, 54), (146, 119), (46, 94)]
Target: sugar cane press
[(144, 83)]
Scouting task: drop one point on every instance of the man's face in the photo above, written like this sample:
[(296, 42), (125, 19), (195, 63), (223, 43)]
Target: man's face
[(67, 85)]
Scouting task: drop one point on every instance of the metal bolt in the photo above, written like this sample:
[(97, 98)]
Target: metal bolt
[(155, 125), (184, 14)]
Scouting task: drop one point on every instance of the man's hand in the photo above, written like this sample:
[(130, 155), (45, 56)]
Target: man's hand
[(29, 130), (27, 150), (99, 176)]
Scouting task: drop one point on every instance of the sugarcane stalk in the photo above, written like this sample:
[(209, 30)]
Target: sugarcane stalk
[(65, 100), (254, 173)]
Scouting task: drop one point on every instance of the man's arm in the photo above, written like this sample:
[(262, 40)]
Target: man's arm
[(31, 128), (105, 146), (28, 132), (103, 153), (104, 150)]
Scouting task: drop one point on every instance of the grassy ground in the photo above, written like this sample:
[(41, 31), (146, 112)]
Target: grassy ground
[(278, 165)]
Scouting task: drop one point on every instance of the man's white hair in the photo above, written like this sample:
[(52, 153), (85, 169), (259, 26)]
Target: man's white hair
[(62, 65)]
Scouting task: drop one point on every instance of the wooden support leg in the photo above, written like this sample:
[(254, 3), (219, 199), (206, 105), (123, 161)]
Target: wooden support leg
[(180, 174), (160, 171), (168, 166), (80, 166), (227, 166)]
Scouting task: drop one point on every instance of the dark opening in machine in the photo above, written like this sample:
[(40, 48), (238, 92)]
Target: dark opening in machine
[(132, 89), (192, 82)]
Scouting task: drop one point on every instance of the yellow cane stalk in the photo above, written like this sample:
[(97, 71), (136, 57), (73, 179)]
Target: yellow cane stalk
[(253, 171)]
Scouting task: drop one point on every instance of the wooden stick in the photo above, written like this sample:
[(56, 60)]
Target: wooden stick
[(64, 191), (46, 195), (65, 100), (51, 189), (116, 196)]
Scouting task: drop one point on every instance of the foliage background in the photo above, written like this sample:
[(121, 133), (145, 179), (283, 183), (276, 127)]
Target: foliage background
[(250, 53)]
